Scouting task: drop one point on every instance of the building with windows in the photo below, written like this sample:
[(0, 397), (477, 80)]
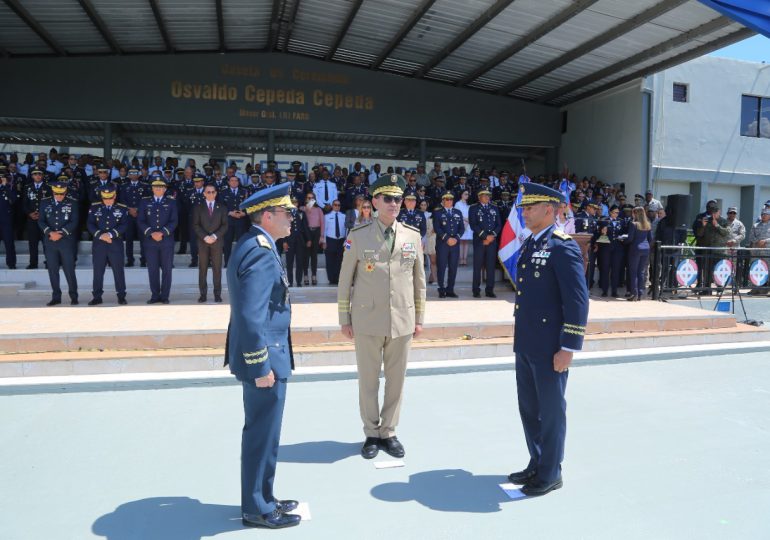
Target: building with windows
[(702, 128)]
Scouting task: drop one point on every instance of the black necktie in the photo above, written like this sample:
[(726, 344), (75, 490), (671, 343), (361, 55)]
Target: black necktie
[(326, 190), (336, 225)]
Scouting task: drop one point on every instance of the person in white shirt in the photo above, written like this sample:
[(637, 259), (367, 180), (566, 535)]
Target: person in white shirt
[(375, 174), (325, 192), (52, 164), (333, 242), (157, 167)]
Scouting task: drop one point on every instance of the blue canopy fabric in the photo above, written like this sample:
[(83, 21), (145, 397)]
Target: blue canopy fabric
[(754, 14)]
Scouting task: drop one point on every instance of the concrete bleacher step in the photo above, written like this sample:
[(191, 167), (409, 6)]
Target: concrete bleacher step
[(89, 362)]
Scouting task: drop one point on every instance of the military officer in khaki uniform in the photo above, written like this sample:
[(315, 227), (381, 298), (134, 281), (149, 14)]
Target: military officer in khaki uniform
[(382, 265)]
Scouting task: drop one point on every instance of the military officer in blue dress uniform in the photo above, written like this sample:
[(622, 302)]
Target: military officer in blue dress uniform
[(410, 216), (259, 351), (157, 221), (34, 192), (549, 324), (237, 221), (585, 222), (484, 220), (449, 226), (107, 223), (59, 224), (130, 194), (7, 202)]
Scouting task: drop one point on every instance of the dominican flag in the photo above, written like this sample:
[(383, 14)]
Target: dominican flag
[(511, 241)]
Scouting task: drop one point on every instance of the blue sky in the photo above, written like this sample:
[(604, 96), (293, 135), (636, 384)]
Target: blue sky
[(754, 49)]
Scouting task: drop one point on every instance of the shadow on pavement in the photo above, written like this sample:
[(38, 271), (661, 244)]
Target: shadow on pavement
[(318, 451), (447, 490), (167, 518)]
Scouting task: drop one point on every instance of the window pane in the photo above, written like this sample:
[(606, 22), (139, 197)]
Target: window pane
[(680, 92), (750, 116), (764, 119)]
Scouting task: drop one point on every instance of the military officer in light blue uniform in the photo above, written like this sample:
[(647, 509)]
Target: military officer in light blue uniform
[(59, 223), (484, 220), (449, 227), (549, 324), (157, 219), (259, 351), (107, 223)]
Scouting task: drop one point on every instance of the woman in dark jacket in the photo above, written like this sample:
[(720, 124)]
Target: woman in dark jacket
[(639, 240)]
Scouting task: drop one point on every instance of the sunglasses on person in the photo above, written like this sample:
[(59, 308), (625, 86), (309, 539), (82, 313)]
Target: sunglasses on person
[(392, 199), (366, 207)]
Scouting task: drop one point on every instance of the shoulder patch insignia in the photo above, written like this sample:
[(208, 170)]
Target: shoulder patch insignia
[(263, 242), (561, 234), (412, 227)]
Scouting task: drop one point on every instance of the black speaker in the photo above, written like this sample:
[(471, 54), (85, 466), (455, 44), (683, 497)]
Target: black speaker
[(678, 210)]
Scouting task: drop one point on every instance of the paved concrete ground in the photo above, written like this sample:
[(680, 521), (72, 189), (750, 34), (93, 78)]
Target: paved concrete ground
[(757, 308), (673, 449)]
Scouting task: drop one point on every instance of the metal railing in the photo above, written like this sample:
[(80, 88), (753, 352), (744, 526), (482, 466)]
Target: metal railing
[(683, 269)]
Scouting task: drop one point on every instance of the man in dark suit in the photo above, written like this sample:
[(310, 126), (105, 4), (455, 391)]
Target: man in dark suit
[(549, 325), (259, 351), (209, 222)]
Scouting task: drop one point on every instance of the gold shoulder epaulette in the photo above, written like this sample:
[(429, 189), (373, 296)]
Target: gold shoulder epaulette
[(95, 203), (121, 205), (561, 234), (264, 242)]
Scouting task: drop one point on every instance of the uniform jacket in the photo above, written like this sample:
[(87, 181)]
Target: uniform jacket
[(448, 226), (388, 288), (258, 337), (62, 217), (131, 195), (32, 196), (7, 199), (484, 221), (158, 217), (551, 297), (114, 221), (415, 218)]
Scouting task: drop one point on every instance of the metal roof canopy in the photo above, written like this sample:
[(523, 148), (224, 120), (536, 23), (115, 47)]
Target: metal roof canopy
[(549, 51), (215, 140)]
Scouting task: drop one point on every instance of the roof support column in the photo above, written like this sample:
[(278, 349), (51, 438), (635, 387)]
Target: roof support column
[(107, 141), (423, 152), (270, 145)]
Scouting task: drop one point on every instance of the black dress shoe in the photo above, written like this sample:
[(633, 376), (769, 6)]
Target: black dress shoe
[(491, 295), (476, 294), (193, 264), (393, 447), (604, 295), (153, 301), (217, 299), (74, 302), (12, 267), (165, 302), (201, 299), (441, 294), (536, 489), (143, 265), (273, 520), (451, 295), (371, 447), (31, 267), (286, 506), (95, 302), (53, 303), (122, 301), (522, 477), (129, 264)]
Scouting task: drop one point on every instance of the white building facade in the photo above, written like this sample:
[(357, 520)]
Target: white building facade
[(701, 128)]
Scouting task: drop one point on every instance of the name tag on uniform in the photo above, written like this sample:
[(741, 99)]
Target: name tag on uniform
[(408, 251), (542, 254), (371, 255)]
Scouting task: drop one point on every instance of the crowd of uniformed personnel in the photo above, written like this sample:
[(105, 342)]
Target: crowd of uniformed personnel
[(328, 202)]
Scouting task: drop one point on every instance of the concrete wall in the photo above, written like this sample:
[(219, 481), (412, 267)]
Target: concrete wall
[(702, 136), (604, 138)]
